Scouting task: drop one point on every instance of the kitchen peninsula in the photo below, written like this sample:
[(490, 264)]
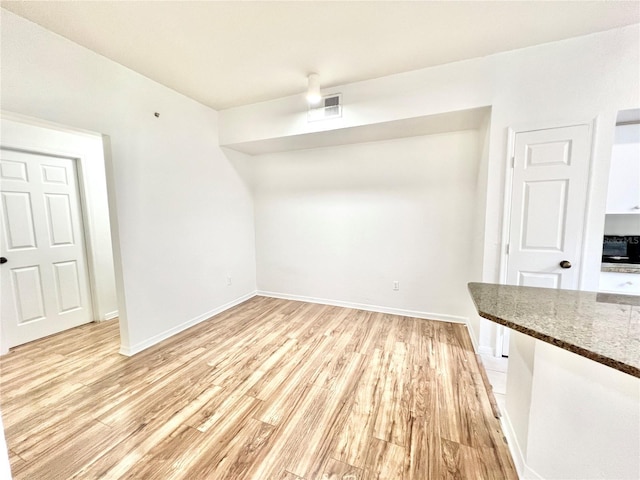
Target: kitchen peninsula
[(601, 326), (573, 383)]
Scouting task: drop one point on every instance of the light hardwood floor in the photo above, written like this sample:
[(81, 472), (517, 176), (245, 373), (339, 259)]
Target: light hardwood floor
[(271, 389)]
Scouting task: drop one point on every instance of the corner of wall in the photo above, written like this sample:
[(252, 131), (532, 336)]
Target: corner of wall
[(130, 350), (110, 315)]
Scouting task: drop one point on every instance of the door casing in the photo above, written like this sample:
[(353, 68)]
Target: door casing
[(86, 312), (81, 160), (508, 191)]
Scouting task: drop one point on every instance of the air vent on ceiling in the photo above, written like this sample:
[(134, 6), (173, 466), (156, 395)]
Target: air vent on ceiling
[(330, 107)]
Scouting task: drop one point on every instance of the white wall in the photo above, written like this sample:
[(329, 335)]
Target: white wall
[(581, 80), (570, 417), (5, 467), (518, 403), (24, 133), (185, 217), (343, 223), (599, 409)]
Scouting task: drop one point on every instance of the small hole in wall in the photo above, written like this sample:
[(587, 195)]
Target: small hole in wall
[(156, 114)]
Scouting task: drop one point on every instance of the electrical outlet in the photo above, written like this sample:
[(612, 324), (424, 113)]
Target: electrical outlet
[(396, 285), (228, 280)]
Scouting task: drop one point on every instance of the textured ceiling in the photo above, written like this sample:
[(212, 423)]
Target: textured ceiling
[(225, 54)]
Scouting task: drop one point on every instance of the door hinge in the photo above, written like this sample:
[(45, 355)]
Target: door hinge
[(508, 250), (513, 161)]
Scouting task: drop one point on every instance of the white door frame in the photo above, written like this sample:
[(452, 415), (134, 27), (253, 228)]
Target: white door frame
[(52, 316), (81, 159), (508, 191)]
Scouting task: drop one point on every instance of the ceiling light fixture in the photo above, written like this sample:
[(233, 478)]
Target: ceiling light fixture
[(313, 89)]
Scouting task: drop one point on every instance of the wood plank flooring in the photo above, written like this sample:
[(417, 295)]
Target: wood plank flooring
[(271, 389)]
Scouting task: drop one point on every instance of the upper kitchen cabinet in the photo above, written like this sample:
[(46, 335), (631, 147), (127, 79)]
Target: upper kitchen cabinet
[(624, 179)]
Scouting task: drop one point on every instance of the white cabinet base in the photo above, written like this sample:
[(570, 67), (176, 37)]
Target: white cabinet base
[(614, 282)]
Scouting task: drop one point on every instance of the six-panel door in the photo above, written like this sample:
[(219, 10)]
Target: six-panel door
[(549, 196), (44, 283), (548, 201)]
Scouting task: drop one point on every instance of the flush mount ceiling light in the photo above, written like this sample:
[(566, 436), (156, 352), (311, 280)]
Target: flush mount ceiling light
[(313, 89)]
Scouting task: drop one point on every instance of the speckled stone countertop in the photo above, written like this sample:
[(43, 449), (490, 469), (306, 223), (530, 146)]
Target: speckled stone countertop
[(603, 327), (620, 267)]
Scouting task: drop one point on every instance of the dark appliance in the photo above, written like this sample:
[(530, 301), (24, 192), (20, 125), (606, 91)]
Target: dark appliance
[(621, 249)]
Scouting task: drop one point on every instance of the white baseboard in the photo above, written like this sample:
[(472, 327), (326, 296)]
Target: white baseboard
[(472, 336), (138, 347), (514, 447), (132, 350), (370, 308), (110, 315), (523, 470)]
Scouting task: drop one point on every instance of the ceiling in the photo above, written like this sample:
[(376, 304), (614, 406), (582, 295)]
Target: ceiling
[(225, 54)]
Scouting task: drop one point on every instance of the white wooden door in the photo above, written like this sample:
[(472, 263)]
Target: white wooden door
[(548, 201), (44, 282)]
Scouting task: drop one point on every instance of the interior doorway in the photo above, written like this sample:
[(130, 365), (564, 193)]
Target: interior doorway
[(44, 278), (546, 202), (56, 235)]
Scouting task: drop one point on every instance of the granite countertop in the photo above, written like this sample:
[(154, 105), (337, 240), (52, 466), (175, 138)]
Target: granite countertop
[(620, 267), (603, 327)]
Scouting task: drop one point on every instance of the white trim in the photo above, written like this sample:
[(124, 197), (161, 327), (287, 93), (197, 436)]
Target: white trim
[(506, 207), (110, 315), (508, 185), (512, 442), (87, 229), (497, 349), (522, 469), (441, 317), (38, 122), (488, 351), (472, 337), (509, 168), (81, 159), (593, 132), (549, 125), (138, 347), (78, 160)]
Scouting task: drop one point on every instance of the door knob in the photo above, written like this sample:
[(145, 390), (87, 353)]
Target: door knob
[(3, 260), (565, 264)]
